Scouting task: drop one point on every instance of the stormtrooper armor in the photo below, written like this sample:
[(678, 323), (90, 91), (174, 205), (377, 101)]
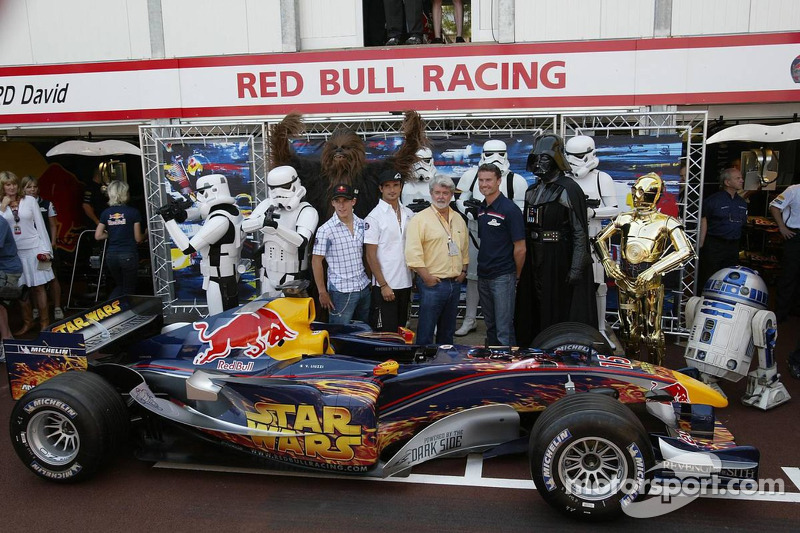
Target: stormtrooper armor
[(728, 322), (513, 187), (287, 224), (416, 194), (602, 206), (219, 240)]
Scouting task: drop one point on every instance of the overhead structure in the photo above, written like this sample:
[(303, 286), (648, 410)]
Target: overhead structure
[(94, 149)]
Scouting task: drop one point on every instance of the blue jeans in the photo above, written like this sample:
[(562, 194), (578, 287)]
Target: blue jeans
[(497, 298), (438, 307), (122, 266), (349, 306)]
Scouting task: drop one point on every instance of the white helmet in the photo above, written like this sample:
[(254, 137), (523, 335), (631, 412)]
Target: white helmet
[(212, 190), (285, 188), (424, 169), (581, 155), (495, 152)]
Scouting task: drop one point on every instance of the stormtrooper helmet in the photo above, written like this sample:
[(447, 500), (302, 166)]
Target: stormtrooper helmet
[(424, 169), (646, 192), (495, 152), (581, 155), (285, 188), (212, 190)]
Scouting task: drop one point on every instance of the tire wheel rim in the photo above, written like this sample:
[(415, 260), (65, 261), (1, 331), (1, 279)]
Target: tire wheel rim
[(53, 438), (593, 468)]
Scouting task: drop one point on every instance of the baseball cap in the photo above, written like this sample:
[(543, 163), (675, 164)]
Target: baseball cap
[(344, 190), (389, 174)]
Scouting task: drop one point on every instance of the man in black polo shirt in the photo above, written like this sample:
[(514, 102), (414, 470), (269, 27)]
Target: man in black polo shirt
[(500, 257), (724, 216)]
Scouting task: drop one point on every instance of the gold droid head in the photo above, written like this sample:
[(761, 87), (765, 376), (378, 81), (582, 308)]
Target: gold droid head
[(646, 192)]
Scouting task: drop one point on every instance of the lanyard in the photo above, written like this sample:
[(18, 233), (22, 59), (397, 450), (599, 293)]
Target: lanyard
[(446, 227)]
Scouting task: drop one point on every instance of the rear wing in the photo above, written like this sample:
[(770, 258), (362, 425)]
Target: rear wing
[(65, 345), (113, 321)]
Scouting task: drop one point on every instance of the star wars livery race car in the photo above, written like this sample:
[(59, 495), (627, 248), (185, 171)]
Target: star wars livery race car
[(268, 381)]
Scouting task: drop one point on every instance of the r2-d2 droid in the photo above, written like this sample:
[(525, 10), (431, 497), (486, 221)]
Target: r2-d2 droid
[(729, 322)]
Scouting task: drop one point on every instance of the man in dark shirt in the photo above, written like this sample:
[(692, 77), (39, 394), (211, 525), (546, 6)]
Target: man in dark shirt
[(500, 257), (94, 199), (724, 216)]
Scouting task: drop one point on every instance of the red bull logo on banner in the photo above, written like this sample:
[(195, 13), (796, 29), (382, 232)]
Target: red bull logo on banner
[(678, 391), (252, 332)]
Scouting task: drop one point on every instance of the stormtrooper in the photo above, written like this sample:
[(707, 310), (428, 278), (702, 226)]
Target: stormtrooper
[(513, 187), (728, 322), (416, 194), (219, 240), (287, 223), (601, 202)]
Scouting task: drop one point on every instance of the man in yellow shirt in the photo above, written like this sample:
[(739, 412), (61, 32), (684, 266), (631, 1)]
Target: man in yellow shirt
[(437, 250)]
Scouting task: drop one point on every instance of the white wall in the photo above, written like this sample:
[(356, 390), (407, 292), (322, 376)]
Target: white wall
[(331, 24), (570, 20)]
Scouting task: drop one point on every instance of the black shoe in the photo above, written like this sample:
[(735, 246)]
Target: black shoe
[(414, 39), (460, 39), (394, 41), (794, 370), (437, 40)]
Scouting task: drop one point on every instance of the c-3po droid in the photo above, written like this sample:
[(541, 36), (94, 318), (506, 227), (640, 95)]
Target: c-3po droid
[(728, 323), (652, 244)]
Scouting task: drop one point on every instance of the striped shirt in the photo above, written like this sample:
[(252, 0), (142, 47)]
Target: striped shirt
[(344, 253)]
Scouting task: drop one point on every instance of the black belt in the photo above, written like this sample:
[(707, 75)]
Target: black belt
[(448, 279), (729, 241), (546, 236)]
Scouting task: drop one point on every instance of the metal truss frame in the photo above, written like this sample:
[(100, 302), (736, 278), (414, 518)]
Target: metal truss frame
[(150, 139), (692, 128)]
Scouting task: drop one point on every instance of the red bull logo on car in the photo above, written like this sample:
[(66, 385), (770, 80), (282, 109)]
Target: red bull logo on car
[(678, 391), (252, 332)]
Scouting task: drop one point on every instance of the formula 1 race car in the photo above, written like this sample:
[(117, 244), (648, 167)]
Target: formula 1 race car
[(268, 381)]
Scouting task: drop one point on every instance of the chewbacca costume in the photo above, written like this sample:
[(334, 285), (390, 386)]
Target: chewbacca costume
[(344, 161)]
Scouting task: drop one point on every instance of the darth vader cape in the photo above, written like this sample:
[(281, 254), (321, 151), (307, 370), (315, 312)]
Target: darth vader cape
[(557, 240)]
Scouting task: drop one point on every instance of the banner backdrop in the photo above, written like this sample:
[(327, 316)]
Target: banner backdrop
[(184, 161)]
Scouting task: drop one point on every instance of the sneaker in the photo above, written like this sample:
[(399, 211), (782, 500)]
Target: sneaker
[(466, 326), (394, 41), (35, 313), (460, 39), (58, 313), (413, 40)]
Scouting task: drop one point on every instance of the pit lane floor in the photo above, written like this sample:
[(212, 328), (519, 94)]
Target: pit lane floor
[(449, 494)]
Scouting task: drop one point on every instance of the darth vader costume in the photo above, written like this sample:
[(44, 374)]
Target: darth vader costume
[(556, 283)]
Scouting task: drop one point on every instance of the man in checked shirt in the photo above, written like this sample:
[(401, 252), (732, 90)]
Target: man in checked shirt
[(340, 242)]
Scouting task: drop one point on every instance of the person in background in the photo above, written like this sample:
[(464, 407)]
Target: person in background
[(437, 249), (122, 226), (340, 243), (33, 246), (785, 209), (393, 10), (31, 187), (10, 272), (724, 216), (94, 198), (385, 238), (458, 9)]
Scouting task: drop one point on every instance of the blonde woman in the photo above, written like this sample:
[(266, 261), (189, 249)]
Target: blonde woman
[(33, 245), (122, 226), (30, 186)]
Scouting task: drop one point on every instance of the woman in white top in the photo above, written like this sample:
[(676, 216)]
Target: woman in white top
[(33, 246)]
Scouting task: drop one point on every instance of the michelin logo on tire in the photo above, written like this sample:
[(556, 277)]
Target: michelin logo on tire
[(547, 461)]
